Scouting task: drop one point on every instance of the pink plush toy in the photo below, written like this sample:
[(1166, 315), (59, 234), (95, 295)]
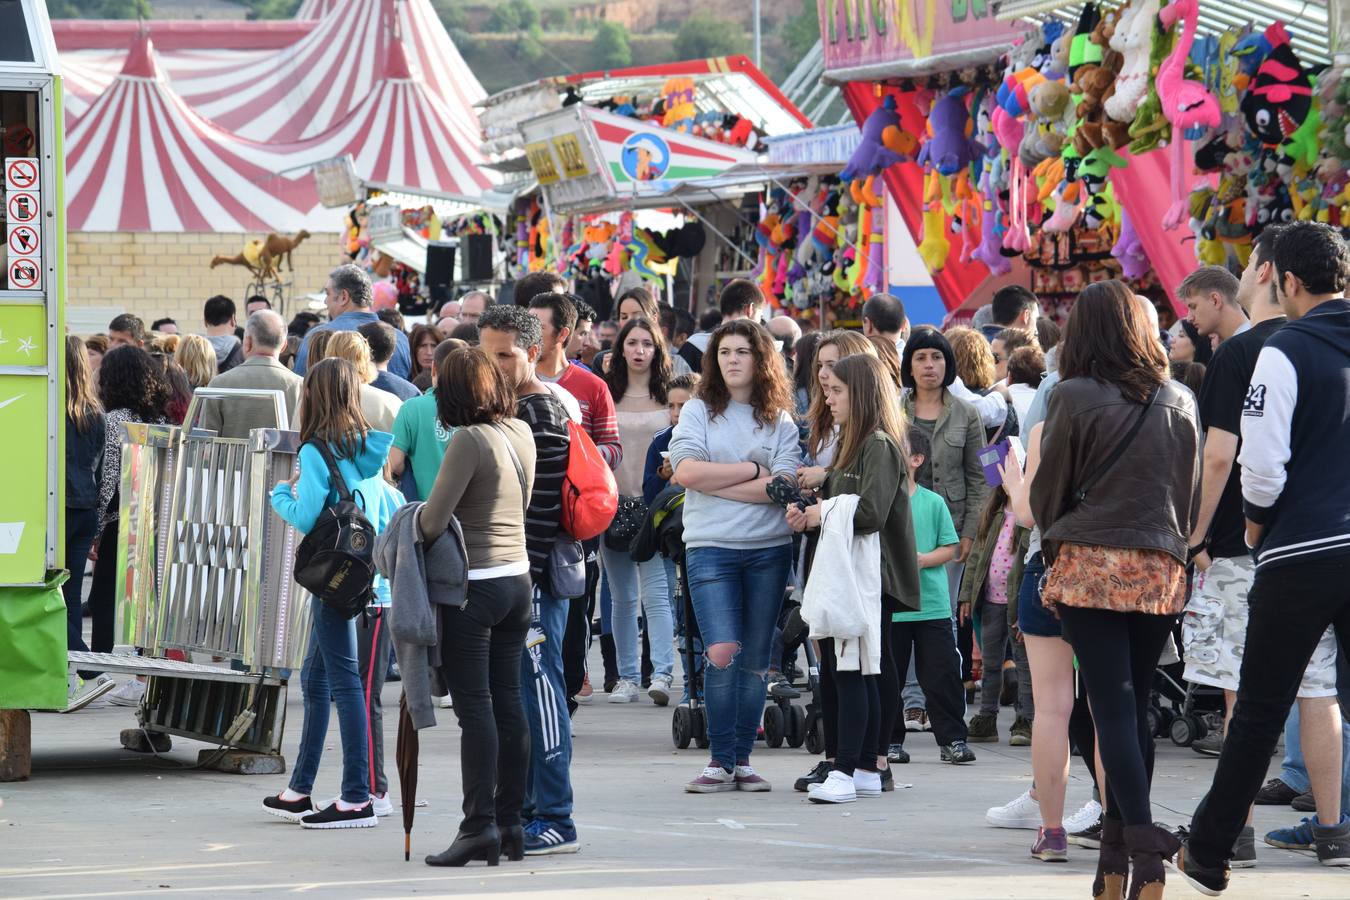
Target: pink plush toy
[(1186, 104)]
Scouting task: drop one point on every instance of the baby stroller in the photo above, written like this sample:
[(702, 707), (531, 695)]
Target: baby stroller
[(1183, 711), (663, 532)]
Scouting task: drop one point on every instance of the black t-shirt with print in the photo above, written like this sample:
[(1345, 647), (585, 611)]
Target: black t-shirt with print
[(1222, 394)]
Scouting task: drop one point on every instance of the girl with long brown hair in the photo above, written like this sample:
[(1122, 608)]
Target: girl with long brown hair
[(639, 378), (423, 341), (84, 464), (1117, 491), (735, 437), (334, 435), (870, 463)]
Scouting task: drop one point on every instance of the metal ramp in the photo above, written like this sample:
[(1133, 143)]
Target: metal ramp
[(204, 567)]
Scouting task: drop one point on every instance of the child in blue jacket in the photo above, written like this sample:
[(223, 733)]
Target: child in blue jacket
[(332, 414)]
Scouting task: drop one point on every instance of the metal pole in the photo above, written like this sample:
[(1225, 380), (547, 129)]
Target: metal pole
[(758, 65)]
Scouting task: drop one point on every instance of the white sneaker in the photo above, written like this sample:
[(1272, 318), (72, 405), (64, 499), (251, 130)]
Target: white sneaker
[(660, 689), (129, 694), (866, 784), (443, 702), (1084, 819), (624, 692), (837, 788), (1024, 812), (81, 693)]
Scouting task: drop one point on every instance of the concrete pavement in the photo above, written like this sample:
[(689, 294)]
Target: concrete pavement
[(99, 821)]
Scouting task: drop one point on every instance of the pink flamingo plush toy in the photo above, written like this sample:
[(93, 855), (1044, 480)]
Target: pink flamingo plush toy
[(1186, 104)]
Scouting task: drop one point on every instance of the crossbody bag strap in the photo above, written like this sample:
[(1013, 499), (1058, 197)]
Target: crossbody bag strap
[(520, 471), (339, 483), (1080, 495)]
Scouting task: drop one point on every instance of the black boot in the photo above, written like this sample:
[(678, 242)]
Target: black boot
[(1113, 863), (1149, 846), (485, 845), (513, 843)]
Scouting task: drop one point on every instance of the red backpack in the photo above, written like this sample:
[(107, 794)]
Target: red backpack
[(590, 496)]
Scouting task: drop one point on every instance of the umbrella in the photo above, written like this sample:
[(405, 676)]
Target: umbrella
[(405, 754)]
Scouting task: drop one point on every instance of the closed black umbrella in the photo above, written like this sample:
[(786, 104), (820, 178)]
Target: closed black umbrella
[(405, 754)]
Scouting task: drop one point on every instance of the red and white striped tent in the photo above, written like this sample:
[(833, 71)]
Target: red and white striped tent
[(140, 159), (379, 79)]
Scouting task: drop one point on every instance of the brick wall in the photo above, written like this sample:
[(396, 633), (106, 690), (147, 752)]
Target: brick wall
[(169, 274)]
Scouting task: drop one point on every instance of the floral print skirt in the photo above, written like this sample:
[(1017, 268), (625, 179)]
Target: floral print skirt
[(1119, 579)]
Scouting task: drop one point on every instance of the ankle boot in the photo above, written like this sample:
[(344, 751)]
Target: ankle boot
[(1113, 862), (609, 655), (1149, 846), (513, 843), (467, 848)]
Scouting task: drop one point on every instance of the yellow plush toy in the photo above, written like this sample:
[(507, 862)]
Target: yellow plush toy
[(935, 247)]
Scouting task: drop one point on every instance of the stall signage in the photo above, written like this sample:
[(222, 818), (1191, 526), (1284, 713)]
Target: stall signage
[(23, 230), (873, 32), (542, 162), (568, 148), (636, 153)]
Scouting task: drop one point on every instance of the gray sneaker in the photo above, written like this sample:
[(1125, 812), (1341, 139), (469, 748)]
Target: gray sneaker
[(1209, 745), (1244, 850), (1333, 842)]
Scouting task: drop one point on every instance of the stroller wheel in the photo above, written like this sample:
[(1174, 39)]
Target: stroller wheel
[(773, 725), (1154, 721), (682, 727), (699, 718), (796, 726), (815, 734), (1185, 729)]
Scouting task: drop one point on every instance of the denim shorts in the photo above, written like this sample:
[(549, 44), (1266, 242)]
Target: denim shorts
[(1033, 618)]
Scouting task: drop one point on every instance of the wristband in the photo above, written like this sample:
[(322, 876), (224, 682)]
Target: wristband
[(1193, 552), (757, 470)]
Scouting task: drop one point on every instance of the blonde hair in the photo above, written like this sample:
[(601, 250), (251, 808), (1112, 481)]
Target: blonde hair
[(974, 358), (82, 406), (352, 347), (873, 405), (850, 343), (164, 343), (198, 359)]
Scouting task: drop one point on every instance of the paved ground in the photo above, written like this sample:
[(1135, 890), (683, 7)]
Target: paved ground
[(98, 821)]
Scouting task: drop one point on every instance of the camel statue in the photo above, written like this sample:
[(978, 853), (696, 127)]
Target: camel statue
[(263, 257)]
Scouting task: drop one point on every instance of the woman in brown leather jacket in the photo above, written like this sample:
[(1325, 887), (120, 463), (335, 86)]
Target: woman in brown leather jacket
[(1116, 495)]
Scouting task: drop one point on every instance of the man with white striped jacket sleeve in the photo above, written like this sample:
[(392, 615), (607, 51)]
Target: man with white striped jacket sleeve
[(1296, 497)]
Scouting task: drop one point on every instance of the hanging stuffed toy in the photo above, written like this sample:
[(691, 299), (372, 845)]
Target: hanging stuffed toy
[(1279, 98), (1129, 250), (884, 143), (680, 110), (1133, 38), (934, 248), (1186, 104), (950, 147), (1150, 127)]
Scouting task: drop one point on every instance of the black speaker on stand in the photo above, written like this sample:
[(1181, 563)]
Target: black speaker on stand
[(440, 264), (477, 257)]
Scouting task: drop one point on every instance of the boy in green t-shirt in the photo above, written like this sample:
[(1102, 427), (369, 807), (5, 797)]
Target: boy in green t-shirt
[(928, 632)]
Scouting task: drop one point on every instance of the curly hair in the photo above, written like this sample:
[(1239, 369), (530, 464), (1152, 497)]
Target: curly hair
[(129, 379), (1316, 255), (974, 359), (771, 392), (658, 382)]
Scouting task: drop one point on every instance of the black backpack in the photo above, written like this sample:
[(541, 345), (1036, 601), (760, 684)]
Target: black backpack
[(336, 560)]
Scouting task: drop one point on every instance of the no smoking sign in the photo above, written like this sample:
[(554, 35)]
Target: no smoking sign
[(21, 175)]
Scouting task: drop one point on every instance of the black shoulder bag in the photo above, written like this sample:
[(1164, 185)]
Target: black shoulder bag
[(336, 560)]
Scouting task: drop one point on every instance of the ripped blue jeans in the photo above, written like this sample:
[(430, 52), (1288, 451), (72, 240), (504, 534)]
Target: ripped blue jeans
[(737, 595)]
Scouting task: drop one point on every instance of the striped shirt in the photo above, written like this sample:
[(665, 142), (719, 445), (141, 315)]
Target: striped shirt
[(547, 420)]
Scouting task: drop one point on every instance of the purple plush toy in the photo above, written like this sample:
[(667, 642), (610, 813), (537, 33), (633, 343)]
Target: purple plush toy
[(872, 155), (1129, 250), (949, 148)]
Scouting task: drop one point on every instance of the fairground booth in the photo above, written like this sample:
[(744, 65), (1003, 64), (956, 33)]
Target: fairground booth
[(1055, 144)]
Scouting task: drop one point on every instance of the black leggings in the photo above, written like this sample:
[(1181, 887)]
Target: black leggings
[(1117, 653), (886, 686)]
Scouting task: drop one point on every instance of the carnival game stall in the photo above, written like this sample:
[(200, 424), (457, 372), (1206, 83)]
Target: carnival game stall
[(1095, 141)]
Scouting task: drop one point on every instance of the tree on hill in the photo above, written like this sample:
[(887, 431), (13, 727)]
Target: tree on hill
[(99, 9), (610, 46), (701, 36), (514, 15), (801, 32)]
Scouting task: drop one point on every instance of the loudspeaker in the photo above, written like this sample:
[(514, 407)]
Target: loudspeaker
[(477, 257), (440, 264)]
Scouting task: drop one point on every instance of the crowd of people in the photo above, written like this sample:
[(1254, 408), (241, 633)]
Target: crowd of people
[(1003, 514)]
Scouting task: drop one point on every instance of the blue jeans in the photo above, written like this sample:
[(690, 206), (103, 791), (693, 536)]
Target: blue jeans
[(629, 581), (331, 675), (548, 781), (737, 595), (1294, 773)]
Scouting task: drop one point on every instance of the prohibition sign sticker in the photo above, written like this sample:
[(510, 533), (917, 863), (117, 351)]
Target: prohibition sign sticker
[(23, 240), (23, 207), (21, 174), (24, 274)]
